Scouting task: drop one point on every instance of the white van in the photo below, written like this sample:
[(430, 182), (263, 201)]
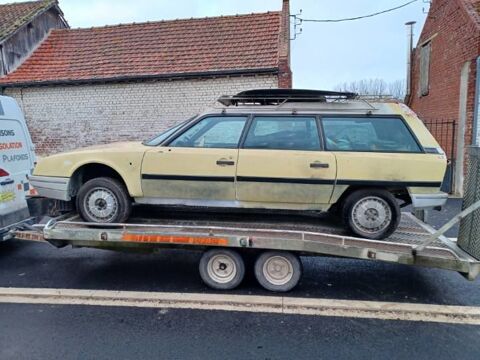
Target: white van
[(17, 159)]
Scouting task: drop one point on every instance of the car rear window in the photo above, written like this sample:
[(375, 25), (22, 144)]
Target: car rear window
[(368, 135), (14, 152)]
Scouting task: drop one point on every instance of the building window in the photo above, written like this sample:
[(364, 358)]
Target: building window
[(425, 52)]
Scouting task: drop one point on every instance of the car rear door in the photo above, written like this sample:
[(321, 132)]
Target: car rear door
[(281, 161), (199, 164), (15, 164)]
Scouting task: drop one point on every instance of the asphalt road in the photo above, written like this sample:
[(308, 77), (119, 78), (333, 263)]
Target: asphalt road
[(45, 331)]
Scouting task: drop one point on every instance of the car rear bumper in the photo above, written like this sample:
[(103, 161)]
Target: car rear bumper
[(52, 187), (429, 201)]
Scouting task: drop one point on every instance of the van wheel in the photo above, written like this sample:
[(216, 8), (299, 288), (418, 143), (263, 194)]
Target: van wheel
[(104, 200), (371, 213)]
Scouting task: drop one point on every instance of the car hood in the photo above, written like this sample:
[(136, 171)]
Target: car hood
[(117, 146)]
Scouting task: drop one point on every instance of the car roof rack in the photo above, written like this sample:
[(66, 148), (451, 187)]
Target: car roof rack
[(281, 96)]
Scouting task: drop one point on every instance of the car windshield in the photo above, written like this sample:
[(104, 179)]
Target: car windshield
[(158, 139)]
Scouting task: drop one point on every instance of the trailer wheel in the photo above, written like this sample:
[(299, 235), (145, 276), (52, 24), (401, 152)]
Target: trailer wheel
[(278, 271), (222, 269)]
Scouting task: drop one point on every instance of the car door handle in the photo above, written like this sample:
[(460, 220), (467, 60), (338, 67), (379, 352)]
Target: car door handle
[(319, 165), (7, 182), (222, 162)]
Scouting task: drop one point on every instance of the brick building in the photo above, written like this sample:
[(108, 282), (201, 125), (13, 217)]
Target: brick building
[(445, 76), (129, 82)]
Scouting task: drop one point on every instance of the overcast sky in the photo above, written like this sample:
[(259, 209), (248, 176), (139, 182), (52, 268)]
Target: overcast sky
[(322, 57)]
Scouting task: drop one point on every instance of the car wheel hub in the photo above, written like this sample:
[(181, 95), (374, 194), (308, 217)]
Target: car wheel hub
[(101, 204), (221, 269), (278, 270), (372, 214)]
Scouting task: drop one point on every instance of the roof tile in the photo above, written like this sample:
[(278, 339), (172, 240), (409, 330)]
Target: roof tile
[(227, 43)]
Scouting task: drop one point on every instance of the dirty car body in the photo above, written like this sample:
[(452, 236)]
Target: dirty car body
[(319, 155)]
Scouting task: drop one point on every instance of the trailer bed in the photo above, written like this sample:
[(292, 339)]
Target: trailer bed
[(306, 235)]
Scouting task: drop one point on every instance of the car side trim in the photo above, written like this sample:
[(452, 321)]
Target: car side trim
[(188, 178), (285, 180), (294, 180), (433, 184)]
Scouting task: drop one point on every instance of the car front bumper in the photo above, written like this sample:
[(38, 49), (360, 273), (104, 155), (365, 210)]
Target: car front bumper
[(52, 187), (429, 201)]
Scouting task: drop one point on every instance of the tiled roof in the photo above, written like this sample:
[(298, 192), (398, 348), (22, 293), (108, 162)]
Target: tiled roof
[(14, 16), (190, 46)]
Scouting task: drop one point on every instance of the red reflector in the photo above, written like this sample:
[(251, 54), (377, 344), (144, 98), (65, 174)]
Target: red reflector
[(3, 173)]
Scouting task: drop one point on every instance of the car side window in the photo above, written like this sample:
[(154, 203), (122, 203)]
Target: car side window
[(368, 135), (221, 132), (283, 133)]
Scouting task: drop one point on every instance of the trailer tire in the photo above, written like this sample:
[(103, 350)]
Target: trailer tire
[(222, 269), (107, 192), (278, 271), (382, 210)]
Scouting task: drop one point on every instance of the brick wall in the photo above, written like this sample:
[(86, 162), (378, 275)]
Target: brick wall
[(67, 117), (455, 39)]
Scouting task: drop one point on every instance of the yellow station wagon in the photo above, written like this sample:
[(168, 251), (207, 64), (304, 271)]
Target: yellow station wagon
[(271, 149)]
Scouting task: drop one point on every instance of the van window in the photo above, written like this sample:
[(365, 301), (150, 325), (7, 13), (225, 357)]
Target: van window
[(283, 133), (14, 151), (213, 132), (368, 134)]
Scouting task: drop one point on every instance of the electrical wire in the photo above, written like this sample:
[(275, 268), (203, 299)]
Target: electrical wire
[(357, 17)]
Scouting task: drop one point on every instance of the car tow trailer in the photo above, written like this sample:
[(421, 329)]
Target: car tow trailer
[(277, 247)]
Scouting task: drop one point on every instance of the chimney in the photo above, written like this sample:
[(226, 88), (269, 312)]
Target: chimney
[(284, 71), (408, 92)]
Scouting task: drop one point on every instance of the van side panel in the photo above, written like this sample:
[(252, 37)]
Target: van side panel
[(16, 164)]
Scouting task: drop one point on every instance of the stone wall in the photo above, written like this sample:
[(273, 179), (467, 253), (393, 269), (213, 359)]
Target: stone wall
[(63, 118)]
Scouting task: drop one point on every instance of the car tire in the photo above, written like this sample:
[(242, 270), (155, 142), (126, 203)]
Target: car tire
[(371, 213), (222, 269), (278, 271), (104, 200)]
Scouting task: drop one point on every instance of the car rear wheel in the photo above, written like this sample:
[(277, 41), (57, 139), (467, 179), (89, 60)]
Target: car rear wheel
[(104, 200), (371, 213)]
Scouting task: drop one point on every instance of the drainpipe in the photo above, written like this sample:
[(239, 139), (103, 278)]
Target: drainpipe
[(410, 25), (476, 114)]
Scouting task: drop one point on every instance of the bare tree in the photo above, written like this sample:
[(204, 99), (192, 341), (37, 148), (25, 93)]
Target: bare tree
[(375, 87)]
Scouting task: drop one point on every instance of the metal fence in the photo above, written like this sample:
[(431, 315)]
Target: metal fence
[(468, 238), (445, 133)]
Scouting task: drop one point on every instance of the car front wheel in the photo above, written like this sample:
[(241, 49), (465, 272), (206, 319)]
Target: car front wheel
[(104, 200), (371, 213)]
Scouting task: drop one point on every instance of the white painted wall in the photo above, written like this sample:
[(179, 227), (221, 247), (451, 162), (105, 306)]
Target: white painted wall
[(63, 118)]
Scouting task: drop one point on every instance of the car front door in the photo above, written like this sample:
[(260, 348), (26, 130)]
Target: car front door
[(281, 162), (198, 165)]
